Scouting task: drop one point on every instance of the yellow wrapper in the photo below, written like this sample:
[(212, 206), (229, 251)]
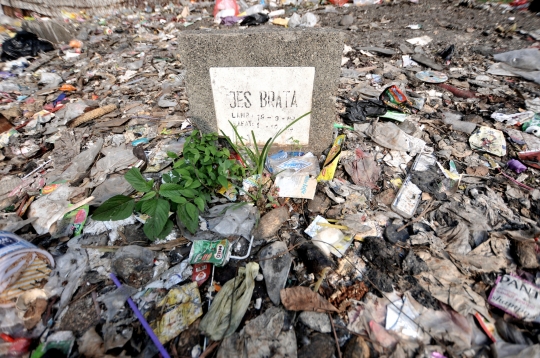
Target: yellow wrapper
[(281, 22), (332, 160)]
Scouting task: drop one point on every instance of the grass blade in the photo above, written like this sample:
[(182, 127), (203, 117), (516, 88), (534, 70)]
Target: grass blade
[(264, 154), (255, 144), (238, 137), (234, 146)]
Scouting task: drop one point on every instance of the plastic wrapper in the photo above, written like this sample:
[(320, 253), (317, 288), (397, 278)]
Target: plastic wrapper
[(16, 256), (82, 161), (222, 321), (254, 9), (363, 169), (393, 97), (67, 276), (50, 208), (214, 252), (230, 20), (72, 223), (513, 119), (181, 307), (292, 163), (50, 79), (447, 53), (391, 136), (296, 186), (488, 140), (201, 273), (332, 160), (227, 220), (115, 300)]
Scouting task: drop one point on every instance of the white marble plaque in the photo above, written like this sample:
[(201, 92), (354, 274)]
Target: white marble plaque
[(263, 100)]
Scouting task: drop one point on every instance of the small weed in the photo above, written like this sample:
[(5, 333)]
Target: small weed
[(186, 189)]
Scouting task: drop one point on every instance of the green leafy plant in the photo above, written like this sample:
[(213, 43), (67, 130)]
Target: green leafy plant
[(263, 193), (256, 157), (186, 189), (296, 146)]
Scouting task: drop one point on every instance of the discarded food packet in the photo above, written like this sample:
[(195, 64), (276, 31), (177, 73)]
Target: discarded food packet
[(229, 192), (179, 309), (517, 297), (409, 195), (530, 158), (16, 255), (214, 252), (289, 163), (332, 160), (296, 186), (72, 223), (393, 97), (488, 140), (201, 273)]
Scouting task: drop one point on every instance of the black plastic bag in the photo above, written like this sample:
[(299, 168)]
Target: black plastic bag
[(534, 6), (359, 111), (24, 44), (447, 53), (255, 19)]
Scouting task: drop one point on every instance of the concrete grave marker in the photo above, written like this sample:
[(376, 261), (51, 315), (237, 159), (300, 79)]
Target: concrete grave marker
[(262, 80), (263, 100)]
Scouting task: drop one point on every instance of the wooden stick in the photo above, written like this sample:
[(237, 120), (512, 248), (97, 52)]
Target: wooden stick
[(335, 335)]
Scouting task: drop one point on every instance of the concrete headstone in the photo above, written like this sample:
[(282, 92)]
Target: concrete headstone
[(50, 31), (261, 80)]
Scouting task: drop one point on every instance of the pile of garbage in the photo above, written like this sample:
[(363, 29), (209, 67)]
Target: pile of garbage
[(125, 231)]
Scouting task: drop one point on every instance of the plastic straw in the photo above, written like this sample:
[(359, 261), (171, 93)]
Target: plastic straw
[(141, 318)]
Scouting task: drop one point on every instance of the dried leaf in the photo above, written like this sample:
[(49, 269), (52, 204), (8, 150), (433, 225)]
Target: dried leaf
[(303, 299)]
